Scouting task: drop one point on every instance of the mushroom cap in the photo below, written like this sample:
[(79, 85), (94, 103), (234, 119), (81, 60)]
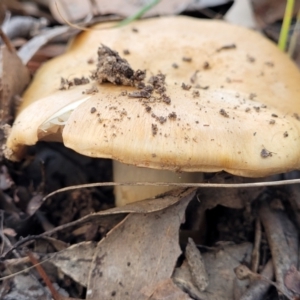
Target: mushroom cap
[(239, 115)]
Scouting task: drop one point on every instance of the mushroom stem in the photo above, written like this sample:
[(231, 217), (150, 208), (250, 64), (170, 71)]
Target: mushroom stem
[(129, 173)]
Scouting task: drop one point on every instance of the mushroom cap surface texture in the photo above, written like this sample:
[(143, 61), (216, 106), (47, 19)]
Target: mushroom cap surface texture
[(234, 100)]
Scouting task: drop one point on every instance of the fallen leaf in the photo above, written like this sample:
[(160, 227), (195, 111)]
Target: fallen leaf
[(196, 266), (27, 51), (241, 13), (220, 266), (24, 287), (138, 254), (292, 280), (75, 11), (158, 203), (168, 290), (75, 261), (182, 277), (70, 10), (14, 78), (78, 264)]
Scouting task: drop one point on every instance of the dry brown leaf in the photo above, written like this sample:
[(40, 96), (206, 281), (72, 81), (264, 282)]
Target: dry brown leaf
[(70, 10), (27, 51), (112, 215), (241, 13), (220, 266), (183, 279), (14, 78), (292, 280), (74, 11), (24, 287), (167, 290), (138, 254), (75, 261), (196, 266)]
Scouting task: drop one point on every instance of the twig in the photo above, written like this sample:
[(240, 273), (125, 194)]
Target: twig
[(175, 184), (44, 276), (255, 251), (243, 272), (280, 235), (7, 42), (259, 287)]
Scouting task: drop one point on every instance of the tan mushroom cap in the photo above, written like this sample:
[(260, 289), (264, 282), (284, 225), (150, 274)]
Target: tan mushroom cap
[(245, 122)]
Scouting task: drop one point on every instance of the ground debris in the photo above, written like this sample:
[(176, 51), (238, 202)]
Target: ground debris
[(112, 68), (137, 272)]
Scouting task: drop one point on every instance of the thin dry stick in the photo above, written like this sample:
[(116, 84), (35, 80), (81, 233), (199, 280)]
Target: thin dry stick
[(281, 251), (44, 276), (7, 42), (255, 252), (258, 288), (175, 184)]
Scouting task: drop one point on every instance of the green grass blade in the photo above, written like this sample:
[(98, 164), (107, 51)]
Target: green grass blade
[(138, 14), (284, 32)]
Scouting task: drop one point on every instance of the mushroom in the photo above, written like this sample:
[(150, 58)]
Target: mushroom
[(232, 102)]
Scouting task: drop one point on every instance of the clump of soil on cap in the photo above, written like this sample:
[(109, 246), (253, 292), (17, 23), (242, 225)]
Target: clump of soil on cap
[(113, 68)]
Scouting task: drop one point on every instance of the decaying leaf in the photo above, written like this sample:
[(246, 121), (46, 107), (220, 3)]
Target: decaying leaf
[(168, 290), (14, 77), (220, 266), (24, 287), (75, 261), (62, 10), (138, 254), (196, 266), (81, 255), (27, 51), (292, 280)]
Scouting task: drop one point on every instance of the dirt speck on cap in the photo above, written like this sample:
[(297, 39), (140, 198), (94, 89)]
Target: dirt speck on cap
[(250, 58), (186, 87), (285, 134), (226, 47), (175, 66), (154, 129), (93, 110), (206, 65), (196, 94), (186, 59), (296, 116), (264, 153), (223, 113), (139, 94), (172, 115), (193, 79)]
